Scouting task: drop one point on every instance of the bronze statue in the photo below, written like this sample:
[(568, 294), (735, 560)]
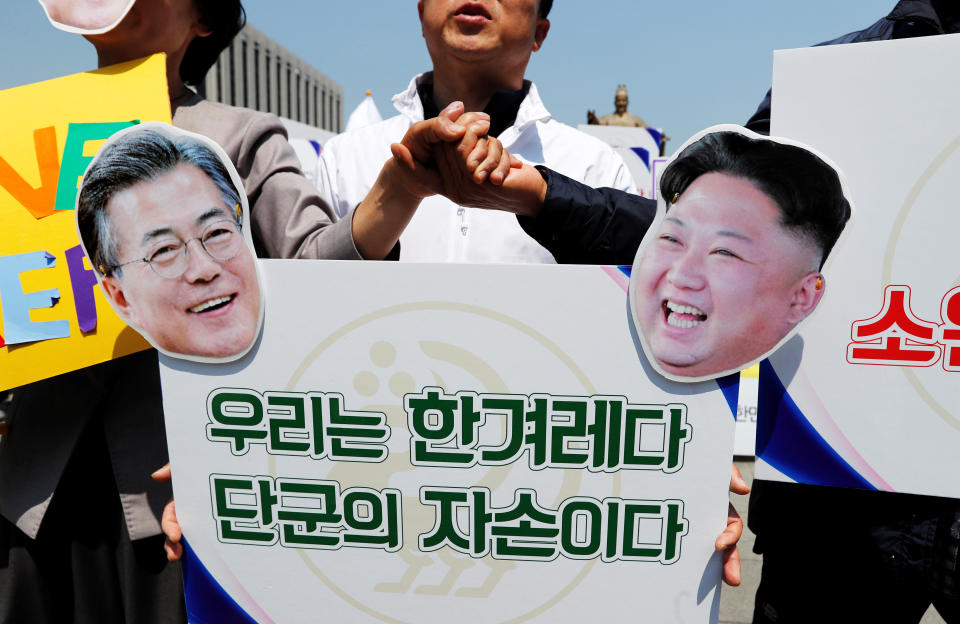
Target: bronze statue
[(620, 116)]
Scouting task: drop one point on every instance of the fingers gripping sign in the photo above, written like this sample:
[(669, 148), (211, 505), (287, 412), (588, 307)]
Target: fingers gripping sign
[(168, 521), (727, 542)]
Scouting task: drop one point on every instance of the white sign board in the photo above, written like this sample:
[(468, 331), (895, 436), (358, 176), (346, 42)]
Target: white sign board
[(869, 394), (639, 148), (557, 478), (746, 431)]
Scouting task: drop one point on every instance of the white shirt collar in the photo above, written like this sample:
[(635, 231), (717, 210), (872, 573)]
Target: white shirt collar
[(408, 103)]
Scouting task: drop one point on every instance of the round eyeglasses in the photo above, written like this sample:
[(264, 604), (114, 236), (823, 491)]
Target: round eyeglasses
[(221, 240)]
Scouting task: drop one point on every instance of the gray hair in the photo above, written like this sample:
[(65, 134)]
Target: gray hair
[(140, 155)]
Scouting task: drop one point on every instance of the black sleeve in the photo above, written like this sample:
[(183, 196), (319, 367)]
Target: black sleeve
[(394, 254), (579, 224), (760, 122)]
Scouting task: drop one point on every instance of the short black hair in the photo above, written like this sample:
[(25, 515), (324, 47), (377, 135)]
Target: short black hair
[(139, 155), (224, 18), (545, 6), (807, 189)]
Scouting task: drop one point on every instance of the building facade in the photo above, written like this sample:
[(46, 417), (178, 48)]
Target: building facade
[(256, 72)]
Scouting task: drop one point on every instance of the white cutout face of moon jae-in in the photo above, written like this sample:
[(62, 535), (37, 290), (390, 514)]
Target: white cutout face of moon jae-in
[(211, 309)]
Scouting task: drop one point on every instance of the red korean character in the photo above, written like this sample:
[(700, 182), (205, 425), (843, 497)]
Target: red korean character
[(895, 336), (950, 330)]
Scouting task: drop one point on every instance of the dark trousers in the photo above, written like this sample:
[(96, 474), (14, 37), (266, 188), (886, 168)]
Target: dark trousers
[(840, 555), (83, 566)]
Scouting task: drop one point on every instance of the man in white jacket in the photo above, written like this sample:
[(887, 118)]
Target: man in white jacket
[(480, 50)]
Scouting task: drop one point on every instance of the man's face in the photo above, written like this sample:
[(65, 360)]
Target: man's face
[(475, 30), (722, 282), (212, 309)]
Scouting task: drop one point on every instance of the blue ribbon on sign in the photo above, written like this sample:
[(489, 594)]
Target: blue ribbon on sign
[(787, 441), (207, 601)]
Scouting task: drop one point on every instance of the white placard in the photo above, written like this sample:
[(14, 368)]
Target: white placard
[(383, 336), (886, 114), (639, 148)]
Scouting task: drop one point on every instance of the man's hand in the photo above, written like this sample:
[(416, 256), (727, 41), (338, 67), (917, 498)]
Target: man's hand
[(406, 179), (417, 174), (478, 172), (727, 542), (168, 521)]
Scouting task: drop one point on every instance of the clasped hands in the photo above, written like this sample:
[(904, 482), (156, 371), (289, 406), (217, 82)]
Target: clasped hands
[(452, 155)]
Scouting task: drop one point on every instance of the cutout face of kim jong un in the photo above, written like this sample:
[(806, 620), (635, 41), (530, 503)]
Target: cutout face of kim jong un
[(734, 265)]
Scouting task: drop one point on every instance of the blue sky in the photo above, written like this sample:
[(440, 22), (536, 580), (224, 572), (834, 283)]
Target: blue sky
[(688, 63)]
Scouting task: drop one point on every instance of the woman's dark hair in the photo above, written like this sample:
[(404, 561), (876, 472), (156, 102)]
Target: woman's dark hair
[(806, 189), (224, 18), (545, 6)]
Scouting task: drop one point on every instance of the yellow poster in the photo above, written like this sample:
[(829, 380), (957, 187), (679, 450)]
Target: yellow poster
[(53, 317)]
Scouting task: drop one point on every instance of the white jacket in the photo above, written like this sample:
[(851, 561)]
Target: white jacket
[(441, 231)]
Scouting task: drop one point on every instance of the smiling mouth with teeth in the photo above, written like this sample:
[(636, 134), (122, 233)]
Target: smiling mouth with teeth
[(211, 304), (682, 316)]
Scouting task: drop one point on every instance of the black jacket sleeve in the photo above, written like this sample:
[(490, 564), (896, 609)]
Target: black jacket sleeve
[(760, 121), (579, 224)]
